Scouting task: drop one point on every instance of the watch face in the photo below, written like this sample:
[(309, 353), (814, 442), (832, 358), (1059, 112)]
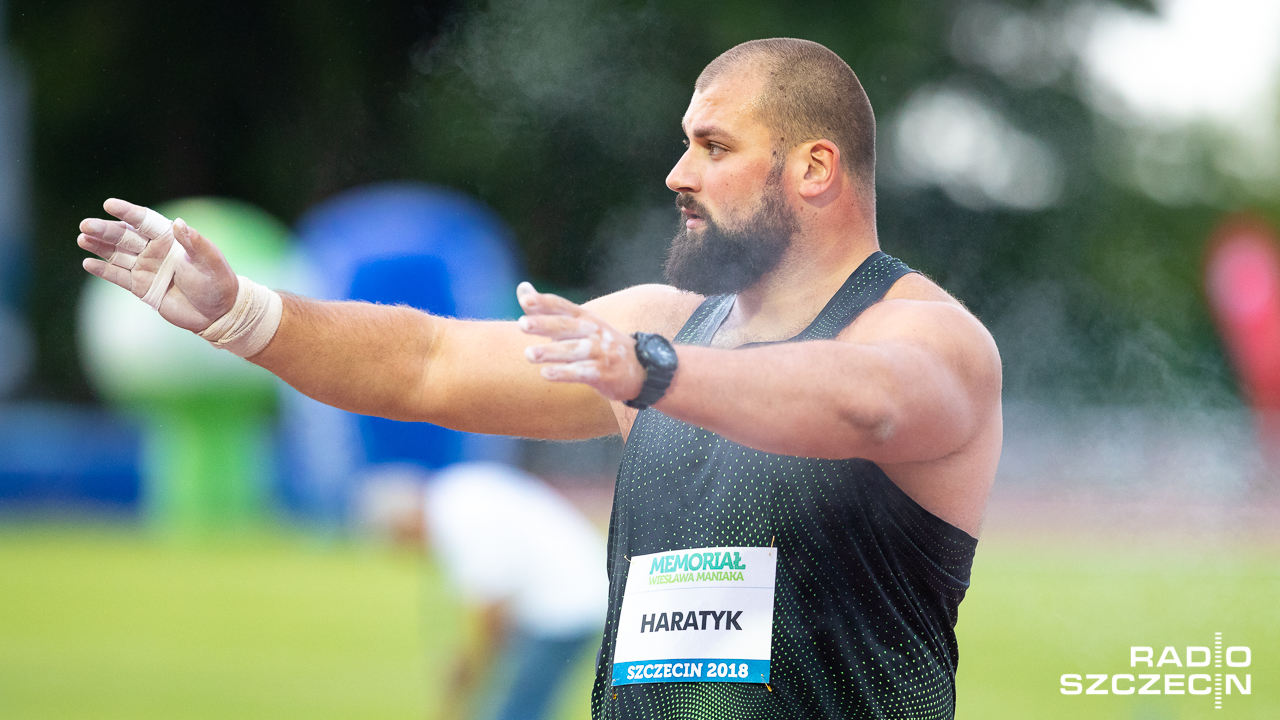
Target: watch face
[(659, 351)]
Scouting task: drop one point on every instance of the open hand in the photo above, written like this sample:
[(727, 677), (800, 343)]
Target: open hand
[(204, 287), (585, 348)]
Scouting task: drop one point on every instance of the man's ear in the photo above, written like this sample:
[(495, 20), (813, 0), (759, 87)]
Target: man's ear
[(822, 159)]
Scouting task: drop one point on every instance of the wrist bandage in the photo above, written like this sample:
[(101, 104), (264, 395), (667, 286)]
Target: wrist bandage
[(250, 324)]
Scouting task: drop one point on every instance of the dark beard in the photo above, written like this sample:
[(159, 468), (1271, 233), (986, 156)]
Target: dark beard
[(729, 261)]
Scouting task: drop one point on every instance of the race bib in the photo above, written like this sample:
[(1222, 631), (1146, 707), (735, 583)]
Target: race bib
[(697, 615)]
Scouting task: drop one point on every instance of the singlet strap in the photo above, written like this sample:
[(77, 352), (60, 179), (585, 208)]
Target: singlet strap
[(864, 288), (703, 323)]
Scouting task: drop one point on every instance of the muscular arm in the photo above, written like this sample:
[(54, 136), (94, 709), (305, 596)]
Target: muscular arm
[(390, 361), (400, 363), (403, 364), (911, 381)]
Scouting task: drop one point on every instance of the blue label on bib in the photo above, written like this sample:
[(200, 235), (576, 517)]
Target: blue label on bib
[(691, 670)]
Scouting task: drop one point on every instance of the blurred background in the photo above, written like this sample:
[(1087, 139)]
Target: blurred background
[(181, 536)]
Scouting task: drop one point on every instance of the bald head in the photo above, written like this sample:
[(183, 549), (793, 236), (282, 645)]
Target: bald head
[(808, 93)]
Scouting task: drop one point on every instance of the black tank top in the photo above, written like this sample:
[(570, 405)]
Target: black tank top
[(868, 582)]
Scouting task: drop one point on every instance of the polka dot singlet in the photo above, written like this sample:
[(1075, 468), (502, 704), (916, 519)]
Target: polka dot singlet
[(868, 582)]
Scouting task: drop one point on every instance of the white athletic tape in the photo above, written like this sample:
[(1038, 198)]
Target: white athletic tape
[(131, 242), (154, 225), (123, 259), (164, 276), (250, 324)]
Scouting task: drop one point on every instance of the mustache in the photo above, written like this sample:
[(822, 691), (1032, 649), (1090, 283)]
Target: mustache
[(685, 201)]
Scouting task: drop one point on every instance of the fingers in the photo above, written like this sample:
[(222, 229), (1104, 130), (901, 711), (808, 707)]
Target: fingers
[(94, 245), (119, 243), (111, 273), (584, 349), (115, 232), (105, 238), (182, 233), (579, 372), (191, 240), (582, 341), (123, 259), (557, 327), (113, 241), (126, 211), (536, 303), (552, 316), (598, 357), (562, 352), (150, 224), (108, 252)]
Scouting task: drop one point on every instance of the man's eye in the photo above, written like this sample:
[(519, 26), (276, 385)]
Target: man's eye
[(714, 149)]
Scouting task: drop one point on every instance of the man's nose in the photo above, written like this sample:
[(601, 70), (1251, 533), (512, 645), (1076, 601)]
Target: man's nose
[(682, 178)]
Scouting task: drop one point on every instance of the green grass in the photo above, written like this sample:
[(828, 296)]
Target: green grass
[(1040, 608), (101, 622)]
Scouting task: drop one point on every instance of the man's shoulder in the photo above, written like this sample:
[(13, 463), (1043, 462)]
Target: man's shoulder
[(918, 286), (918, 310), (915, 296), (651, 308)]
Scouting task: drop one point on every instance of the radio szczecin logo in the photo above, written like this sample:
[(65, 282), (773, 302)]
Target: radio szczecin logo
[(1172, 673)]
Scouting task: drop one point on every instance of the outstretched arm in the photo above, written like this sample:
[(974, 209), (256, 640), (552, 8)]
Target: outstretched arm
[(392, 362), (403, 364), (910, 381)]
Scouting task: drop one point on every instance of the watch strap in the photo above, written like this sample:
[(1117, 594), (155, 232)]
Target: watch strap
[(657, 378)]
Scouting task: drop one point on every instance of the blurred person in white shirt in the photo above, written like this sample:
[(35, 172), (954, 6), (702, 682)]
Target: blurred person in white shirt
[(528, 564)]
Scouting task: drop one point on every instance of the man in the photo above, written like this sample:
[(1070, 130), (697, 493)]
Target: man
[(823, 433), (525, 624)]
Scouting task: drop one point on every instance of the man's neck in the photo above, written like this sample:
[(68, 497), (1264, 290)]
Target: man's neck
[(784, 302)]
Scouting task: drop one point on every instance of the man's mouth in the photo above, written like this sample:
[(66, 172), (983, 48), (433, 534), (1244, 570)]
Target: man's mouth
[(691, 212)]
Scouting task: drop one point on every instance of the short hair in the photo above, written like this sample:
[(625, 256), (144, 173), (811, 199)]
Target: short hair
[(809, 93)]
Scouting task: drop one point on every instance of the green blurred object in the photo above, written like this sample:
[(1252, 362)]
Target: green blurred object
[(206, 461), (207, 414)]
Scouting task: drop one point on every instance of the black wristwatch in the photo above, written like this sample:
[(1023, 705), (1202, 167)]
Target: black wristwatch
[(658, 359)]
